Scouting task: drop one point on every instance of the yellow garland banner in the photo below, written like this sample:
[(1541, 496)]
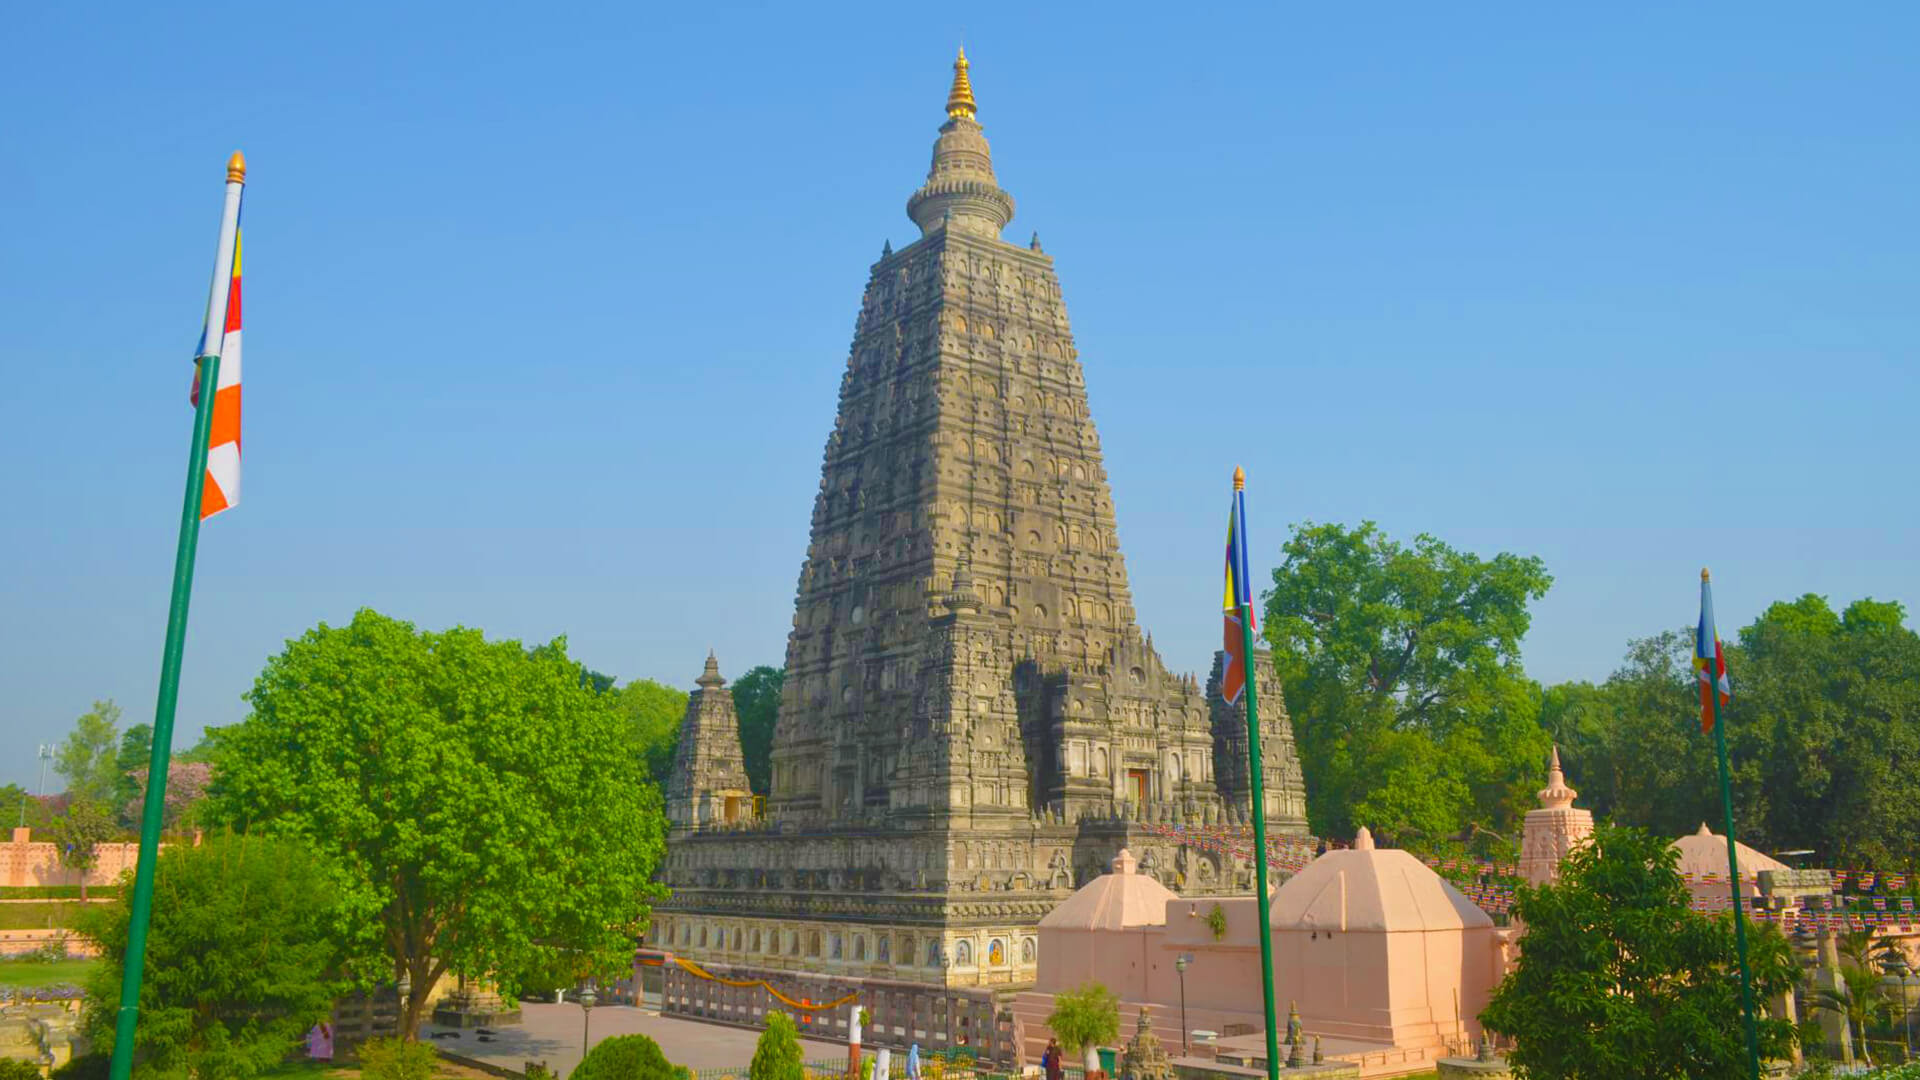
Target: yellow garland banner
[(699, 972)]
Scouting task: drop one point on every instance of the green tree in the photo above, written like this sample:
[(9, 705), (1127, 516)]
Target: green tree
[(1650, 765), (241, 959), (20, 807), (89, 758), (756, 698), (135, 755), (653, 713), (79, 834), (1381, 645), (630, 1057), (476, 802), (1086, 1016), (1620, 977), (777, 1055), (1826, 721)]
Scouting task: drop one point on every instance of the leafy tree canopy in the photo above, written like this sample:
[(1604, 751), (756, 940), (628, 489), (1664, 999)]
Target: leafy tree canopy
[(135, 755), (475, 802), (1087, 1015), (756, 698), (653, 713), (241, 959), (89, 758), (79, 834), (1401, 670), (1620, 977)]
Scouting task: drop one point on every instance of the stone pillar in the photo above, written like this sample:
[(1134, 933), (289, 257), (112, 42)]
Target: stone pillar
[(1833, 1025)]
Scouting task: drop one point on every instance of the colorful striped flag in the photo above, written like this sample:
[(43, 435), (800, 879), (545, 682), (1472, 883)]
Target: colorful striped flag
[(1709, 659), (222, 488), (1238, 598)]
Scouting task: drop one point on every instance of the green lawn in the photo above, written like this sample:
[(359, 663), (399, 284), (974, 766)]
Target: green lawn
[(45, 973), (39, 915)]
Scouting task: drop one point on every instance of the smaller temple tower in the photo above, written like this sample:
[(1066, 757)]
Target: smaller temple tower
[(708, 785), (1553, 831)]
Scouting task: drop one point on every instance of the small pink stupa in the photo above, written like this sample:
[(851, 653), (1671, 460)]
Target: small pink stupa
[(1376, 946)]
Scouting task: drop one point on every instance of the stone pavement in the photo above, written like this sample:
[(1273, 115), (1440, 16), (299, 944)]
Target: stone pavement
[(551, 1033)]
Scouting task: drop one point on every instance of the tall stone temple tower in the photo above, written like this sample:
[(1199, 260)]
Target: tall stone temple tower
[(972, 722)]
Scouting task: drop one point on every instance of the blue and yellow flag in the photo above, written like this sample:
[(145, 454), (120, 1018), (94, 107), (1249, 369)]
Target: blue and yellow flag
[(1238, 597), (1709, 659)]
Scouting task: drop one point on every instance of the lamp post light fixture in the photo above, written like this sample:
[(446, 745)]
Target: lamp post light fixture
[(1180, 965), (587, 1001)]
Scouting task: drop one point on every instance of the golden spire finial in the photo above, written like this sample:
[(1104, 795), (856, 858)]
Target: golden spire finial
[(960, 98), (1703, 574), (237, 168), (1239, 478)]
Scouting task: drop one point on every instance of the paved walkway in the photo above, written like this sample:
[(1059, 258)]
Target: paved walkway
[(551, 1033)]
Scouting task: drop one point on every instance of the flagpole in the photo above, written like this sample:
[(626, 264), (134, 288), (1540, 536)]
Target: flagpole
[(208, 363), (1733, 865), (1259, 796)]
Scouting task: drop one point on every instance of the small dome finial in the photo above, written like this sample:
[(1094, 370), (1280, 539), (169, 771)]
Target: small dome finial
[(237, 168), (960, 99), (1239, 478), (711, 676), (1703, 574), (1363, 840)]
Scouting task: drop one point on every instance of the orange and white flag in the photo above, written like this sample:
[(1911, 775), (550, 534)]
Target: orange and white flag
[(221, 490)]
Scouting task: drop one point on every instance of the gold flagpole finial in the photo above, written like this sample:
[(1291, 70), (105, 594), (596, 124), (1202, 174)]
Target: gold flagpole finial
[(1239, 478), (960, 98), (1703, 573), (237, 168)]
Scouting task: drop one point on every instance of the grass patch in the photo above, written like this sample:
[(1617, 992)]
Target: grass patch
[(55, 892), (46, 972), (39, 916)]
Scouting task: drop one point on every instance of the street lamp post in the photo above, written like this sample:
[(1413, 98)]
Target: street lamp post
[(587, 1000), (1180, 965)]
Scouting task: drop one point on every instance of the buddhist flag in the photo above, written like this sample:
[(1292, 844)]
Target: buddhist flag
[(1709, 659), (221, 337), (1238, 597)]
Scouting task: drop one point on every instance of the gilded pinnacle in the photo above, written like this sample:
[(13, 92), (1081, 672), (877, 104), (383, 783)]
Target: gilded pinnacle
[(237, 168), (960, 98), (1239, 478), (1703, 573)]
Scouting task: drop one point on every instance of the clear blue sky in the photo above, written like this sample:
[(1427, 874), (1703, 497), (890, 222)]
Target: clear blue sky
[(547, 306)]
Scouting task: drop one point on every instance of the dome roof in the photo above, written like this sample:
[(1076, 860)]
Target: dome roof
[(1113, 901), (1705, 854), (1367, 888)]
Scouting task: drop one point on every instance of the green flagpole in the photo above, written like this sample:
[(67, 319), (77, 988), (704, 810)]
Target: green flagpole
[(1733, 866), (151, 811), (1260, 847), (1259, 795)]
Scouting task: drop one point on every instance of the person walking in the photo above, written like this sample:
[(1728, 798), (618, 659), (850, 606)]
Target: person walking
[(1050, 1062)]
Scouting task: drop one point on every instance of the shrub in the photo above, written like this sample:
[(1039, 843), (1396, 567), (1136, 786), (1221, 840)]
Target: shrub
[(94, 1066), (1217, 922), (1087, 1015), (18, 1069), (777, 1056), (628, 1057), (397, 1059)]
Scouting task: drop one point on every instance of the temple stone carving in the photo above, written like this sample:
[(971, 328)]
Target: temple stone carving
[(1143, 1058), (708, 785), (972, 722), (1552, 832)]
